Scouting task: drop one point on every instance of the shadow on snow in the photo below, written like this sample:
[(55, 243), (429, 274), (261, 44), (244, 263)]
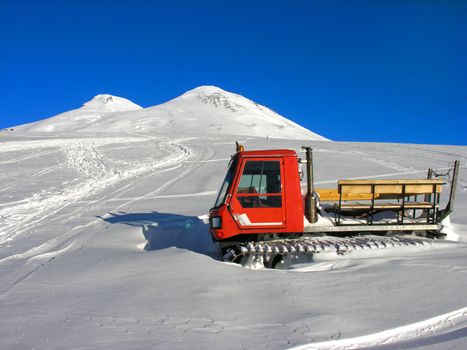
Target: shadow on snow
[(164, 230)]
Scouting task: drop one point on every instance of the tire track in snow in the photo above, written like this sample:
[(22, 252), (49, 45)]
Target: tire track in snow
[(412, 332)]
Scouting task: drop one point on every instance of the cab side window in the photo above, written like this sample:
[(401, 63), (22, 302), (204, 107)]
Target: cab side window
[(260, 185)]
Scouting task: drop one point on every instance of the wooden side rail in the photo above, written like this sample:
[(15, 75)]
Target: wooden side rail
[(393, 187), (387, 192), (376, 193), (333, 195)]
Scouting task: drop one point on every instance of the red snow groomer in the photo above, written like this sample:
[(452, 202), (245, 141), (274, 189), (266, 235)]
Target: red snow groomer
[(260, 212)]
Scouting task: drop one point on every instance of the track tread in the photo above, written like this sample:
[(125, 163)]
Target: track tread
[(267, 250)]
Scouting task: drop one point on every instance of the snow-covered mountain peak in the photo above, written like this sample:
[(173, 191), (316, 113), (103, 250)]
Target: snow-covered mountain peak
[(203, 110), (110, 103), (212, 110), (219, 98), (205, 90), (84, 118)]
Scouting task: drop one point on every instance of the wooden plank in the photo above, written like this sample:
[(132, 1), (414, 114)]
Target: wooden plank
[(389, 187), (368, 189), (418, 205), (407, 205), (388, 206), (328, 194), (332, 195), (422, 189), (368, 206), (391, 181), (353, 206), (356, 189)]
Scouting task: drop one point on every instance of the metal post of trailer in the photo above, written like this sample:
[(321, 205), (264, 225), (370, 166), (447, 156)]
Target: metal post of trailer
[(310, 198), (339, 188), (428, 196), (372, 207), (403, 203), (452, 196)]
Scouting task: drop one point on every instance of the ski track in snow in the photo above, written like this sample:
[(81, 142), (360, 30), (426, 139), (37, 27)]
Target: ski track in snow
[(82, 155), (35, 175), (207, 153), (58, 143), (90, 163), (411, 332), (197, 194), (28, 157)]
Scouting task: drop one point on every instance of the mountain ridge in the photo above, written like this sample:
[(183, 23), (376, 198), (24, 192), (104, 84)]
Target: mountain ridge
[(203, 110)]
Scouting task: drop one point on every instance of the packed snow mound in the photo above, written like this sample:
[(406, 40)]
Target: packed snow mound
[(84, 117), (203, 110)]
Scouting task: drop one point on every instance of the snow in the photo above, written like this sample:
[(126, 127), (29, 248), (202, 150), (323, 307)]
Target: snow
[(77, 202), (218, 112), (109, 103), (87, 116), (400, 334)]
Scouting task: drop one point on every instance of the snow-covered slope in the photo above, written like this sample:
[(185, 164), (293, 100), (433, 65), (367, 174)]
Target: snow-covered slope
[(74, 274), (203, 110)]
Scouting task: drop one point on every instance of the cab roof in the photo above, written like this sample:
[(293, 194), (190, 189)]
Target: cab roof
[(267, 153)]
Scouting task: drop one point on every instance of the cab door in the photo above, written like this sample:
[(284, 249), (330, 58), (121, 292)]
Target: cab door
[(258, 198)]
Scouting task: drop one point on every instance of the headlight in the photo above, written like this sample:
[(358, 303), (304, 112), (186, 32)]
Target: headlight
[(216, 222)]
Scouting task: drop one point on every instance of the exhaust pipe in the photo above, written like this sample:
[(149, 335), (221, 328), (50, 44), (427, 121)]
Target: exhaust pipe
[(311, 213)]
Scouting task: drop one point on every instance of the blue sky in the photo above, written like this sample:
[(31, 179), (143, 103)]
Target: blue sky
[(390, 71)]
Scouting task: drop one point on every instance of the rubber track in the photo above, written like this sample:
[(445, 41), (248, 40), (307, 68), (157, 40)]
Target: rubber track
[(336, 245)]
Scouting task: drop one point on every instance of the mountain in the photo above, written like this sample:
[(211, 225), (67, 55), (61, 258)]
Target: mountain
[(105, 103), (83, 118), (203, 110)]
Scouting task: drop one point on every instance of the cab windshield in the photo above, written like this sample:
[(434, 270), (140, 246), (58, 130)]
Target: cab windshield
[(226, 184)]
